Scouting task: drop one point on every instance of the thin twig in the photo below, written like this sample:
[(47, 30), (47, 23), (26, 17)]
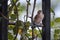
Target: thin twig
[(32, 19), (17, 22)]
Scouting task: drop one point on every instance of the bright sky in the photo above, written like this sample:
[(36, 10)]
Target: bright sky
[(57, 10), (30, 8), (53, 2)]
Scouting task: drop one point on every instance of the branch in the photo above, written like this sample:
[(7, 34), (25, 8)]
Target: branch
[(17, 22), (4, 16), (33, 10), (32, 19), (27, 10)]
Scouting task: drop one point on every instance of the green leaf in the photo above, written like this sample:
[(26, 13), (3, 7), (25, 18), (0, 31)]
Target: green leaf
[(30, 30), (51, 10), (27, 34), (57, 19), (27, 24), (18, 4), (10, 27), (10, 36), (29, 3), (52, 23), (57, 31), (15, 29), (15, 1), (15, 10), (55, 36), (13, 16), (39, 35), (19, 23), (36, 31)]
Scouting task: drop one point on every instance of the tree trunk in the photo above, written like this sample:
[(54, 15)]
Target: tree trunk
[(3, 22), (46, 21)]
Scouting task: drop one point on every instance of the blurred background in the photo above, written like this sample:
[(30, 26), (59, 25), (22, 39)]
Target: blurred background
[(22, 6)]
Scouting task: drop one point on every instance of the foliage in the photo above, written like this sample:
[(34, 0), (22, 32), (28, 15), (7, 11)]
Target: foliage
[(39, 35), (27, 24), (36, 32), (57, 19), (13, 8), (13, 16), (14, 30), (10, 36), (52, 23), (57, 34), (28, 2), (20, 31), (57, 31), (27, 34), (19, 23), (10, 27), (51, 10), (21, 26)]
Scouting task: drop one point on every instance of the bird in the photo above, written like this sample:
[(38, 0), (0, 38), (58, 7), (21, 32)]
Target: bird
[(38, 18)]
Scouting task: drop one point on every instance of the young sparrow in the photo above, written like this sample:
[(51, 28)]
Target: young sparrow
[(38, 18)]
